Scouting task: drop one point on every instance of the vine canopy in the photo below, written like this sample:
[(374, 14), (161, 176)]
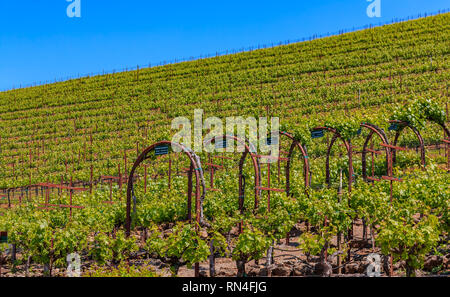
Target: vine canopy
[(420, 111)]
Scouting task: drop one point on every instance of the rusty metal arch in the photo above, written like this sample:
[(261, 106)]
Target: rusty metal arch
[(403, 125), (375, 130), (306, 167), (446, 130), (195, 168), (336, 135), (249, 148)]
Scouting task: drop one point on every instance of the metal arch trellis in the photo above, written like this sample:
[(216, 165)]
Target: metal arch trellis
[(195, 168), (318, 132), (375, 130), (347, 144), (400, 125), (249, 149), (306, 166)]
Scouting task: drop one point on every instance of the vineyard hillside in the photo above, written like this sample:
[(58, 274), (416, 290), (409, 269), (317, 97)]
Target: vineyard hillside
[(47, 131)]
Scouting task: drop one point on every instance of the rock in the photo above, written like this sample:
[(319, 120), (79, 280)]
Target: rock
[(363, 266), (351, 268), (225, 273), (359, 244), (263, 272), (253, 271), (290, 262), (446, 262), (432, 262), (323, 269), (302, 269), (257, 271), (400, 265), (283, 270)]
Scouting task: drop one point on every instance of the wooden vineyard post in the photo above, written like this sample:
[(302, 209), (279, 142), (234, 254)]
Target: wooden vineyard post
[(197, 269)]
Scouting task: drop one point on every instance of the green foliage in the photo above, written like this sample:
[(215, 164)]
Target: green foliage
[(123, 270), (311, 244), (251, 245), (346, 126), (419, 111), (301, 133), (183, 243), (409, 241)]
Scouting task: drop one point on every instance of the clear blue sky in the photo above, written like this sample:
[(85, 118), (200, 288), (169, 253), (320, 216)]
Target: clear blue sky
[(39, 42)]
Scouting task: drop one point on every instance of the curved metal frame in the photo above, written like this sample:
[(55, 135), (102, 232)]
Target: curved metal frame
[(403, 125), (380, 132), (306, 168), (419, 136), (198, 177), (336, 135), (248, 147)]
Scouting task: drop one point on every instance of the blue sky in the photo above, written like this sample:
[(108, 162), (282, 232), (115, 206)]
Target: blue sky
[(39, 42)]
